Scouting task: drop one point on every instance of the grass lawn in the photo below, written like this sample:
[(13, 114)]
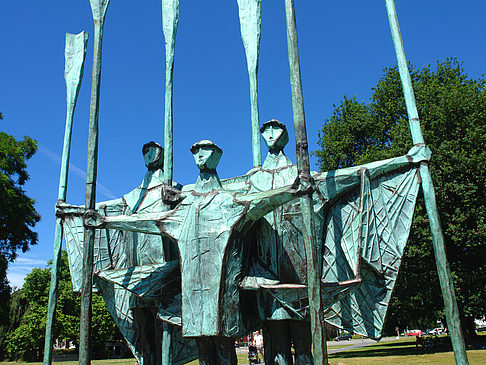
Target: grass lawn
[(404, 352)]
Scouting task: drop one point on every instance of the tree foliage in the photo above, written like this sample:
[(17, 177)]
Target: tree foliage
[(4, 300), (17, 212), (452, 110), (26, 339)]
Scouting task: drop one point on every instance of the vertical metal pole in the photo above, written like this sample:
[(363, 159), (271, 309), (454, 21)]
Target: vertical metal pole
[(250, 25), (170, 20), (303, 166), (98, 8), (75, 53), (166, 344), (443, 269)]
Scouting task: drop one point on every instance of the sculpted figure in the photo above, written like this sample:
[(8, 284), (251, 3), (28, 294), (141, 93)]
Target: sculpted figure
[(280, 255), (123, 257), (209, 226), (357, 212)]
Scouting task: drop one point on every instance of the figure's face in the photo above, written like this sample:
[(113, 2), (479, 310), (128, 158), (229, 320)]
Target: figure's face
[(204, 157), (152, 157), (271, 135)]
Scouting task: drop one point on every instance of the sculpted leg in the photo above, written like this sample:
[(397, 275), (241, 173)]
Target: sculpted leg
[(276, 339), (225, 349), (300, 332), (145, 320), (216, 350), (206, 351)]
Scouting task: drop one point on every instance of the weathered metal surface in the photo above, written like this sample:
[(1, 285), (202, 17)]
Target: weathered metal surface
[(98, 8), (302, 154), (249, 12), (203, 263), (375, 222), (208, 225), (170, 20), (443, 269), (75, 52), (130, 268), (355, 210), (276, 264)]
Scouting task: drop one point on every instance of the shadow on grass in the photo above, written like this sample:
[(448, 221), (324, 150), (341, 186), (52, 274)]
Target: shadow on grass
[(396, 348)]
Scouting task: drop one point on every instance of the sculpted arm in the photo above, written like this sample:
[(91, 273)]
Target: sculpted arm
[(112, 205), (333, 183), (144, 223), (263, 203)]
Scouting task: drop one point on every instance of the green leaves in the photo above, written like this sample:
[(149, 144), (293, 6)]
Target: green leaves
[(29, 310), (17, 212)]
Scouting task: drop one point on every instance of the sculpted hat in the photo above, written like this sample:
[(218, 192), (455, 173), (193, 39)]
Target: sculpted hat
[(205, 143), (273, 122), (147, 145)]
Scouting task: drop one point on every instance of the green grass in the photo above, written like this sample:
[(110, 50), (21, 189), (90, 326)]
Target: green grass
[(404, 352)]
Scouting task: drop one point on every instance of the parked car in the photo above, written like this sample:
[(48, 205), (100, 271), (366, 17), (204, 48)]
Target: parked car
[(346, 336), (439, 330), (414, 333)]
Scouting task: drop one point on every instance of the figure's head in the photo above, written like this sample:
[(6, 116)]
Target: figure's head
[(206, 154), (275, 135), (153, 155)]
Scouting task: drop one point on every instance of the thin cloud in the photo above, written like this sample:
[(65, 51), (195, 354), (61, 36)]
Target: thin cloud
[(16, 279), (18, 270), (76, 170), (22, 261)]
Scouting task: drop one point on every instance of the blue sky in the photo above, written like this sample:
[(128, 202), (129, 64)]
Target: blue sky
[(344, 46)]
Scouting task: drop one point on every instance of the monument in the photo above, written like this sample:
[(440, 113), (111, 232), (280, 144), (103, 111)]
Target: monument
[(186, 270)]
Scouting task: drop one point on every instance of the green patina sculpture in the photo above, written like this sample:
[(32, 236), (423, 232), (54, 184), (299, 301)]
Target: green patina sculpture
[(249, 12), (75, 53), (98, 9), (208, 225), (126, 262), (170, 21), (443, 269), (221, 258), (345, 205), (277, 256)]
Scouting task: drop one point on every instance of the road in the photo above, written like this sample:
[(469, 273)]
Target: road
[(349, 345), (354, 344)]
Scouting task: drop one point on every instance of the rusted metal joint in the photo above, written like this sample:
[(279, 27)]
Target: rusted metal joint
[(92, 219), (60, 213), (302, 146), (364, 171), (170, 195), (304, 184)]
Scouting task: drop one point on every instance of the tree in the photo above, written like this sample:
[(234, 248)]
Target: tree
[(452, 108), (17, 212), (4, 301), (26, 340)]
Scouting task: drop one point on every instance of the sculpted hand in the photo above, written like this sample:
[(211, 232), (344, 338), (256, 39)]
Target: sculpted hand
[(93, 219), (59, 208), (419, 153), (303, 184), (63, 209)]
